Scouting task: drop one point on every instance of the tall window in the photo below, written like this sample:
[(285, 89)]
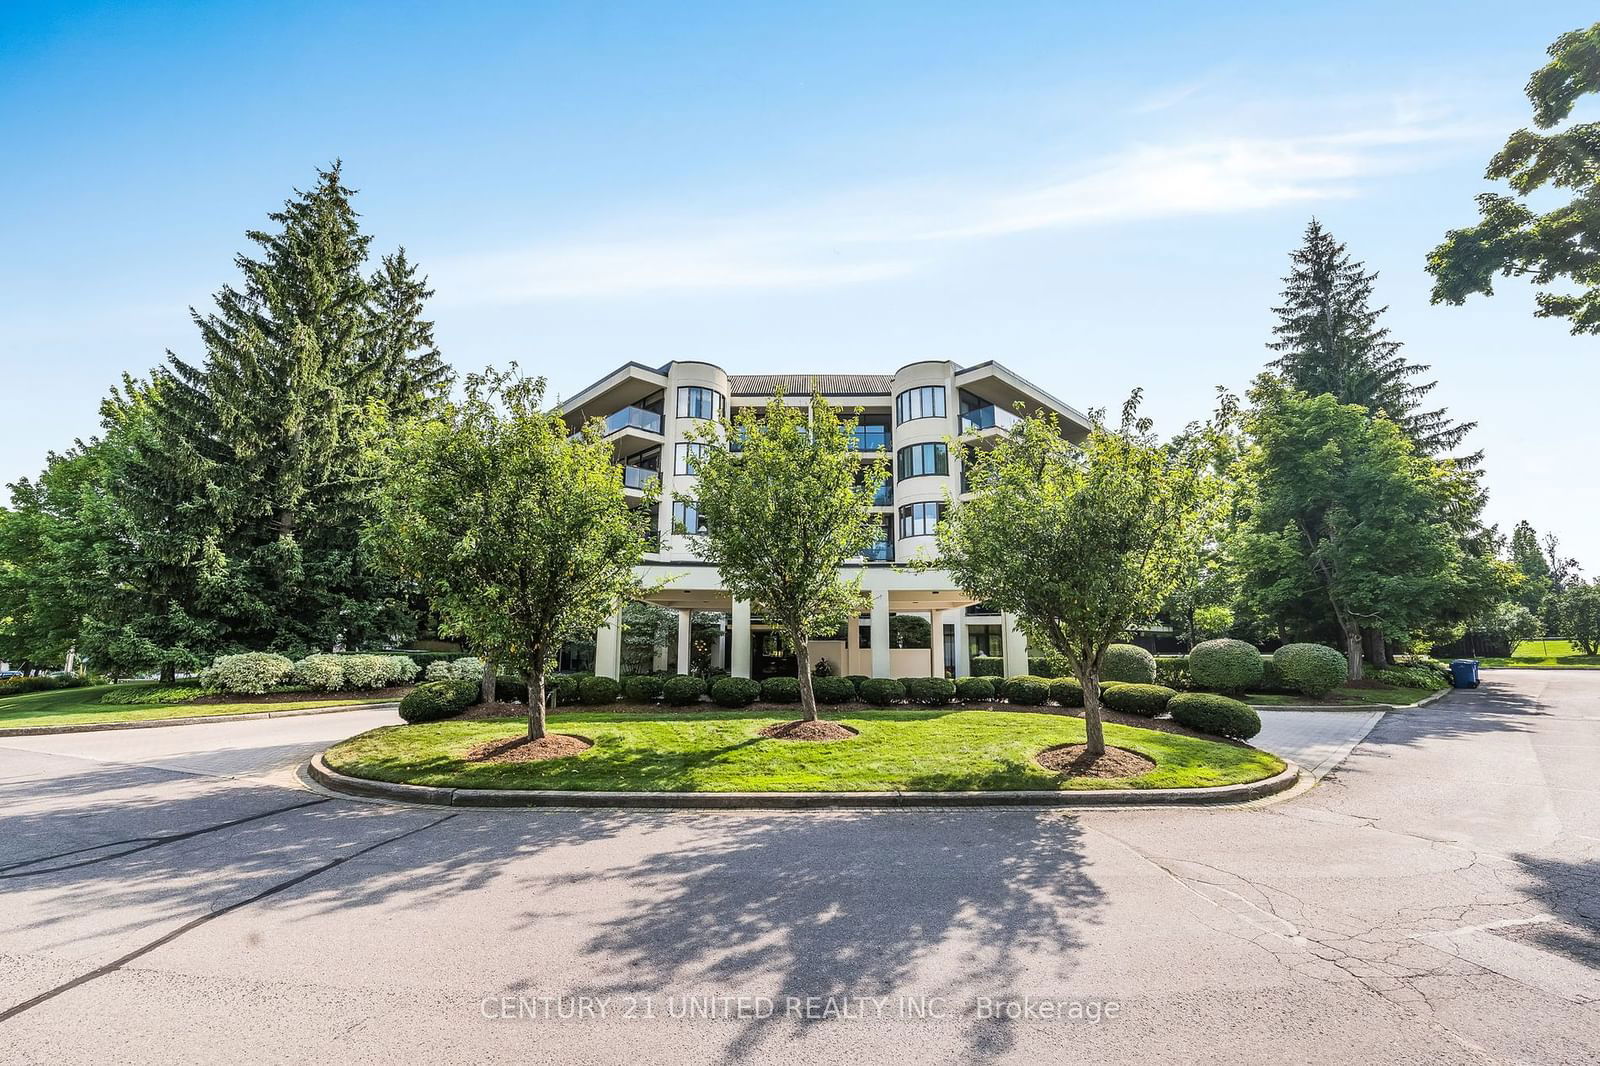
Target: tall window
[(919, 519), (926, 402), (685, 454), (695, 401), (917, 460), (686, 518)]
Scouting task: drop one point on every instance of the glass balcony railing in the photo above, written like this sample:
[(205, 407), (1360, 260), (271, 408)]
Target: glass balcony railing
[(989, 417), (872, 438), (884, 496), (880, 551), (637, 477), (633, 418)]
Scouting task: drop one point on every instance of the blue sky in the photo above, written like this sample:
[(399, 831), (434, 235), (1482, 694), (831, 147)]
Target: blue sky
[(1099, 197)]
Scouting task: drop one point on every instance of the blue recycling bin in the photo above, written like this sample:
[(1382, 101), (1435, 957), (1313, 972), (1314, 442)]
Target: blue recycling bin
[(1464, 673)]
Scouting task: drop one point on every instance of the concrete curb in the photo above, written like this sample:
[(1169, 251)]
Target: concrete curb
[(1349, 708), (322, 774), (199, 719)]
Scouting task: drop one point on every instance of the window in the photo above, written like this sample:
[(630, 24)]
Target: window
[(918, 519), (683, 454), (926, 402), (686, 519), (695, 401), (917, 460)]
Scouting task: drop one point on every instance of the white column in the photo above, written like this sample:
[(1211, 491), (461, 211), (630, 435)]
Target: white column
[(963, 648), (608, 647), (720, 651), (1015, 647), (740, 666), (880, 634), (685, 631)]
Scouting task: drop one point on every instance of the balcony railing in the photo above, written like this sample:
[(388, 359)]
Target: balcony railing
[(989, 417), (884, 496), (880, 551), (633, 418), (637, 477), (872, 438)]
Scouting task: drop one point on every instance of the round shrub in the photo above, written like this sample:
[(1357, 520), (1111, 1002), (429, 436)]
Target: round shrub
[(438, 670), (515, 690), (466, 668), (988, 666), (433, 700), (882, 691), (1067, 692), (1310, 669), (565, 688), (856, 680), (930, 691), (974, 689), (402, 669), (1220, 716), (683, 690), (1173, 670), (1025, 690), (1127, 662), (322, 672), (253, 672), (642, 688), (1048, 666), (598, 690), (781, 690), (1225, 665), (366, 671), (735, 691), (1148, 700), (833, 689)]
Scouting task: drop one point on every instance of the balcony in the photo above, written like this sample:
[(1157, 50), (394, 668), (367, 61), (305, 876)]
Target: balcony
[(884, 497), (637, 477), (633, 418), (880, 551), (990, 416), (871, 439)]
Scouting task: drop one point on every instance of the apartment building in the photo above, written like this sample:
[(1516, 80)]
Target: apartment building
[(919, 623)]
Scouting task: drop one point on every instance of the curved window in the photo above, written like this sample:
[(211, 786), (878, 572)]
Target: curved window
[(696, 401), (684, 456), (919, 519), (926, 402), (917, 460), (686, 519)]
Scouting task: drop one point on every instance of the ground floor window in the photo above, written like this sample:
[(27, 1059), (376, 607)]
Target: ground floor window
[(984, 640)]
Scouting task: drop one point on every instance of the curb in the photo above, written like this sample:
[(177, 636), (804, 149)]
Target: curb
[(1351, 708), (322, 774), (199, 719)]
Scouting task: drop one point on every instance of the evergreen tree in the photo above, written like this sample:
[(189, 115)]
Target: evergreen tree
[(1329, 340), (1528, 557)]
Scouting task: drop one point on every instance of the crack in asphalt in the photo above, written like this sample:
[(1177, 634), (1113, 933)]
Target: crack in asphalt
[(189, 926), (146, 842)]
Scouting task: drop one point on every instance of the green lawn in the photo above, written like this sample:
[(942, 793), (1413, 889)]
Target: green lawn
[(1545, 655), (1345, 697), (721, 751), (77, 706)]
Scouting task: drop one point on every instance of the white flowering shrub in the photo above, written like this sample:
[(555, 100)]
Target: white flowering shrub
[(402, 669), (439, 670), (367, 671), (324, 673), (251, 673)]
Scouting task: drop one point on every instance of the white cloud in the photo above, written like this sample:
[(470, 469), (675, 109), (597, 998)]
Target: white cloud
[(880, 234)]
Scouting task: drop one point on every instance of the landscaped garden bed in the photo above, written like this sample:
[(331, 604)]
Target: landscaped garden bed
[(671, 750), (81, 707)]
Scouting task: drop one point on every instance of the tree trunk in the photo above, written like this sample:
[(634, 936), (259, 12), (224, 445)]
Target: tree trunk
[(1352, 651), (536, 689), (486, 690), (169, 673), (1093, 729), (1377, 653), (802, 660)]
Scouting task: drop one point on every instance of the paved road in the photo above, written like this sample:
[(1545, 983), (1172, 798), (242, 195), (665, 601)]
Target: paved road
[(1432, 900)]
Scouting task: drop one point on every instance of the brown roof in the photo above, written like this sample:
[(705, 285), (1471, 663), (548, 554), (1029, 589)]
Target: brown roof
[(802, 384)]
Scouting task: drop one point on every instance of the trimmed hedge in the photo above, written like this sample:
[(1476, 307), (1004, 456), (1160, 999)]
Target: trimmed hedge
[(682, 690), (1148, 700), (143, 696), (1049, 666), (735, 691), (1225, 665), (17, 686), (1173, 671), (988, 666), (643, 688), (1410, 677), (324, 672), (1025, 690), (1067, 692), (882, 691), (856, 680), (563, 688), (466, 668), (1128, 663), (930, 691), (1220, 716), (781, 689), (433, 700), (251, 673), (833, 689), (1311, 669), (598, 690), (974, 689)]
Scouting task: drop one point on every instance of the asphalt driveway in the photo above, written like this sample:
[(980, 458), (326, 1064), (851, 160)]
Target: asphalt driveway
[(1435, 899)]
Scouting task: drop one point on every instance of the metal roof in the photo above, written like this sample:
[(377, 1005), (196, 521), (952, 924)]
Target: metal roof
[(802, 384)]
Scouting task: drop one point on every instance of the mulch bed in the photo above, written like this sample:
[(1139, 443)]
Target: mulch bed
[(521, 749), (362, 695), (803, 730), (1071, 760), (503, 709)]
